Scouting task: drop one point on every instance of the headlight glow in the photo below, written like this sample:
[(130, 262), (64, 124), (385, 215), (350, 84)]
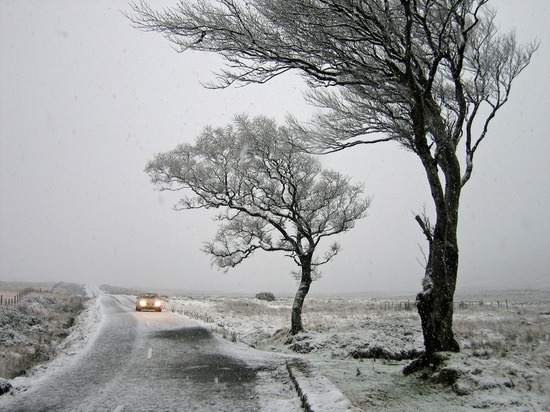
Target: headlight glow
[(142, 303), (157, 303)]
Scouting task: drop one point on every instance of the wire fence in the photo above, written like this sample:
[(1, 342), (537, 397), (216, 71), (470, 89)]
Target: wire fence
[(13, 299), (398, 305)]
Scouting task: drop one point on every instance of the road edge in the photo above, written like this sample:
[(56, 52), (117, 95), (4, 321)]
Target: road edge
[(317, 392)]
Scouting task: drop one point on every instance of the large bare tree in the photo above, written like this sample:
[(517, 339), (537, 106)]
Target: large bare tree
[(273, 197), (429, 74)]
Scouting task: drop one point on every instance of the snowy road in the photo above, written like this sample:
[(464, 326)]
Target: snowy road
[(160, 361)]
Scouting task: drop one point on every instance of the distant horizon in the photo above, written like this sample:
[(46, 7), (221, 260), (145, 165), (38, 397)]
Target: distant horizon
[(374, 294)]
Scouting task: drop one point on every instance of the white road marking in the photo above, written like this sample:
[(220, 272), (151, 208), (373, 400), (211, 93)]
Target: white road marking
[(147, 323), (149, 353), (119, 408)]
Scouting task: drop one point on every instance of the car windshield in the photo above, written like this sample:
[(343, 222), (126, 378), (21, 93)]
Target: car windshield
[(148, 296)]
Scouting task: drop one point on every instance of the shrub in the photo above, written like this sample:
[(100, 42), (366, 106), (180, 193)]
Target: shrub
[(30, 331), (270, 297)]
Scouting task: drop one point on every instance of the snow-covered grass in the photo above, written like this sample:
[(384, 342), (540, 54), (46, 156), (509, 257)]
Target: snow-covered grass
[(32, 331), (44, 332), (362, 348)]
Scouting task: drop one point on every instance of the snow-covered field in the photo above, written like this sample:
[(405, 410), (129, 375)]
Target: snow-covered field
[(362, 345)]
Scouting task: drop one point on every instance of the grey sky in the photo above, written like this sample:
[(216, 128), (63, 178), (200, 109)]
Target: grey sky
[(86, 101)]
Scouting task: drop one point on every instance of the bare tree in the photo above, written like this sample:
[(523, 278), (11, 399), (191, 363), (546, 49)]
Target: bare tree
[(273, 197), (429, 74)]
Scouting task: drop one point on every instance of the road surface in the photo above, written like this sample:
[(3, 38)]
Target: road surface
[(150, 361)]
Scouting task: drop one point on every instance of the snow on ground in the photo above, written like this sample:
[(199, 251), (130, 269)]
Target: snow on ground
[(81, 333), (360, 347), (86, 328)]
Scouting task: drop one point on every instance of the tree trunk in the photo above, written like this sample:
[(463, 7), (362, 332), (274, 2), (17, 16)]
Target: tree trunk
[(303, 289), (435, 302)]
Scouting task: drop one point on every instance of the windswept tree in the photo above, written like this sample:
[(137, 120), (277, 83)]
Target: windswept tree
[(273, 197), (428, 74)]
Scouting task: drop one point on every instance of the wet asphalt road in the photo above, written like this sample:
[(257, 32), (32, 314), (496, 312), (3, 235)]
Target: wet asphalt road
[(149, 361)]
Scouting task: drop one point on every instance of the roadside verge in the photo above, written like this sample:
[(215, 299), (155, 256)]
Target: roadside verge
[(317, 392)]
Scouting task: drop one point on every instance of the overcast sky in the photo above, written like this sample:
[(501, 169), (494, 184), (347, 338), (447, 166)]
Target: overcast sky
[(86, 101)]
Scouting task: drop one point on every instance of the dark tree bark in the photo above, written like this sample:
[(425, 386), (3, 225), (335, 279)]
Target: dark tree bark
[(435, 302), (301, 293)]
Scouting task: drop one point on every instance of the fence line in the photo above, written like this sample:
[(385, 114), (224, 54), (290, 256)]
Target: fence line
[(410, 305), (466, 303), (397, 305), (14, 301)]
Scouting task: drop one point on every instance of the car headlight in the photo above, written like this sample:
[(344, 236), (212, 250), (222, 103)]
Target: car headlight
[(158, 303), (142, 303)]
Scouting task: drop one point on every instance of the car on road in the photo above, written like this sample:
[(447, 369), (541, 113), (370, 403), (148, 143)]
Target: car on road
[(149, 301)]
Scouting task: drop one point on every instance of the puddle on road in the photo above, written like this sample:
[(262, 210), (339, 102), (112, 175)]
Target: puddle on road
[(218, 369), (202, 363), (211, 368), (191, 334)]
